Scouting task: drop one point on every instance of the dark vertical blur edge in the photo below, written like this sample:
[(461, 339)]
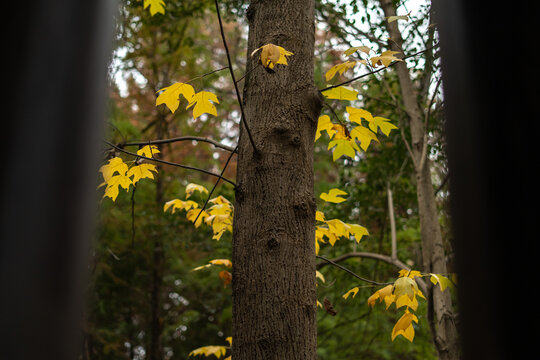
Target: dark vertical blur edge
[(490, 93), (55, 73)]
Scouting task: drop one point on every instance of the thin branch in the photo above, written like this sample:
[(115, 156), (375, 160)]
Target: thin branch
[(387, 259), (375, 71), (350, 272), (208, 73), (243, 119), (176, 139), (171, 163), (335, 115)]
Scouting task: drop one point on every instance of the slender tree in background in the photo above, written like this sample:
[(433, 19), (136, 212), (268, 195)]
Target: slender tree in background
[(441, 313)]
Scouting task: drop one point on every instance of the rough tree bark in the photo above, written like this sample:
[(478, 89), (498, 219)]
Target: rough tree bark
[(440, 304), (274, 293)]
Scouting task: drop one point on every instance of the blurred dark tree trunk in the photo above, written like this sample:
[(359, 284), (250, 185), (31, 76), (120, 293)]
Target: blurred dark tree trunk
[(56, 81), (492, 123)]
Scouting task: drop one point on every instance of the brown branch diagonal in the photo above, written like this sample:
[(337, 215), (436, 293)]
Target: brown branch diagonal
[(171, 163), (177, 139)]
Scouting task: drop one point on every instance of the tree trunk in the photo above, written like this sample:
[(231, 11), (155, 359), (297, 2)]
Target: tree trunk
[(274, 293), (443, 327)]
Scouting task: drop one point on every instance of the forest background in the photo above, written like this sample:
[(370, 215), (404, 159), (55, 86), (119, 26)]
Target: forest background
[(145, 300)]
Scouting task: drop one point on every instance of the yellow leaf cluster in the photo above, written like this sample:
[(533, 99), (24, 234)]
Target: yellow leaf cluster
[(403, 293), (386, 58), (202, 102), (117, 174), (155, 6), (219, 216), (272, 55), (344, 142), (334, 229), (217, 351), (339, 68)]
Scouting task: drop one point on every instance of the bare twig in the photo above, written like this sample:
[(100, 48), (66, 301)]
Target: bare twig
[(387, 259), (171, 163), (238, 97), (350, 272), (176, 139), (208, 73)]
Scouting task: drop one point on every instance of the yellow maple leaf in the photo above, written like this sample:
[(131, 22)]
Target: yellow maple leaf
[(191, 188), (180, 205), (115, 165), (341, 93), (342, 147), (319, 215), (320, 276), (113, 185), (148, 151), (217, 351), (224, 262), (170, 95), (220, 200), (382, 123), (203, 103), (324, 124), (364, 136), (405, 286), (192, 215), (220, 224), (358, 231), (384, 294), (409, 273), (404, 326), (156, 6), (333, 196), (141, 171), (356, 115), (443, 281), (354, 49), (338, 228), (272, 55), (353, 291), (339, 68), (404, 300), (322, 232), (386, 58), (220, 209)]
